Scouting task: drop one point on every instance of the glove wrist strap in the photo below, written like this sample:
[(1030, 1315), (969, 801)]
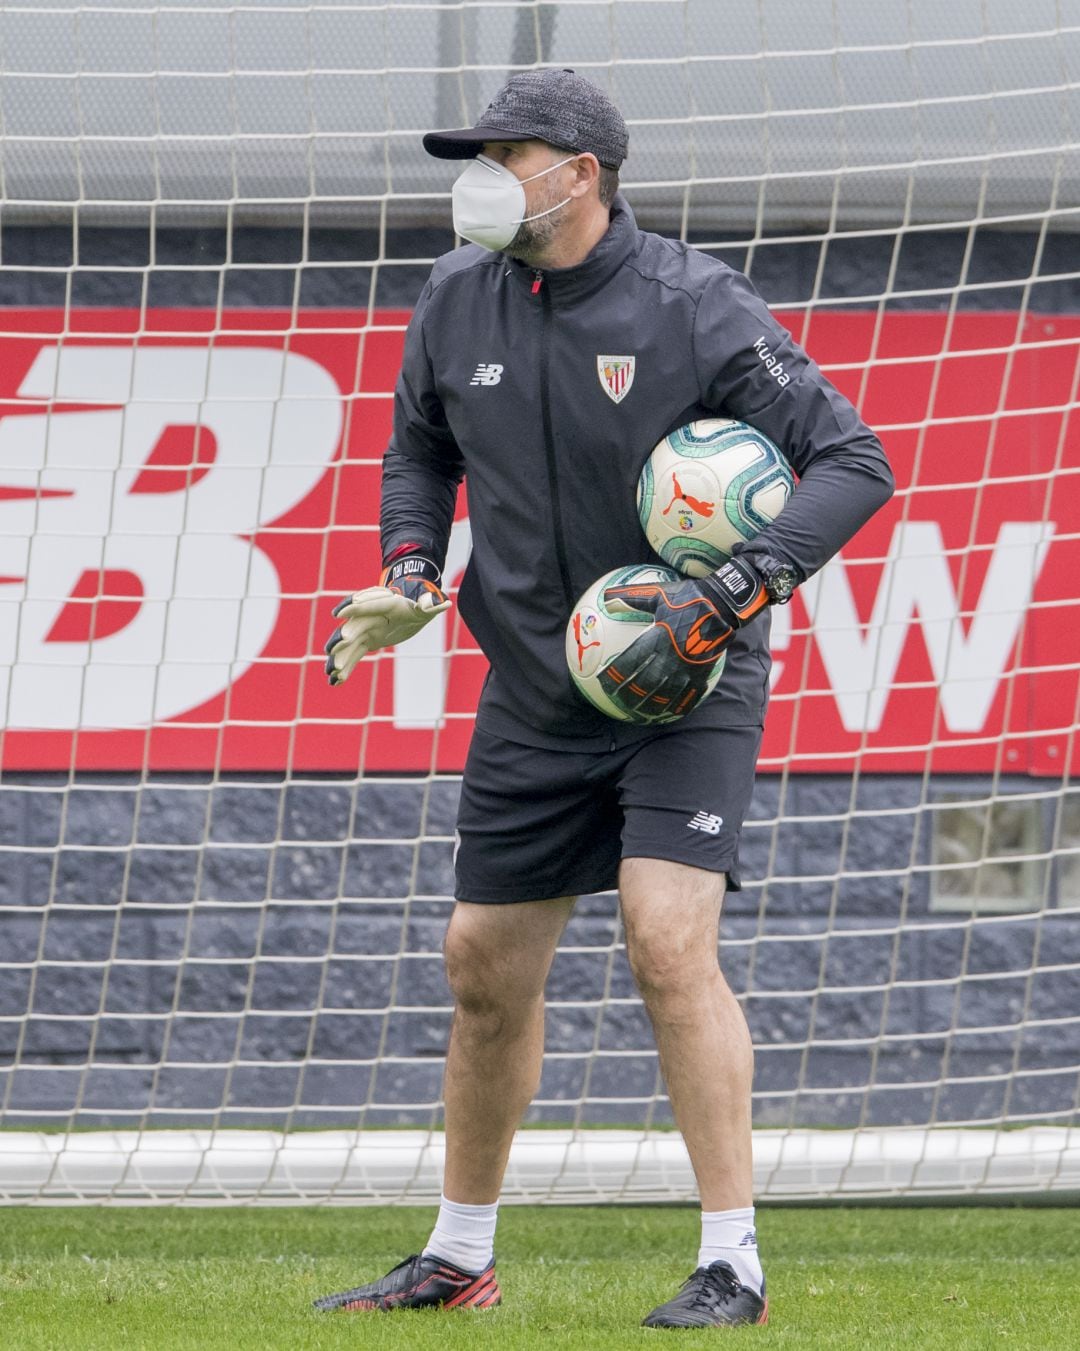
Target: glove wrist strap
[(413, 567), (738, 588)]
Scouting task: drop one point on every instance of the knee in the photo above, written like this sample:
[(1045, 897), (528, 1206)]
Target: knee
[(469, 975), (479, 982), (669, 974)]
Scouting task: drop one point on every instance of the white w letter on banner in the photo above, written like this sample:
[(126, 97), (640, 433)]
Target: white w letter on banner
[(916, 582)]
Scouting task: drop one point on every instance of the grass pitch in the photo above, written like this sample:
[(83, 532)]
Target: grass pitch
[(181, 1280)]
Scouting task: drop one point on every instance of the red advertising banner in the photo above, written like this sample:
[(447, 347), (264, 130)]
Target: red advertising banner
[(184, 496)]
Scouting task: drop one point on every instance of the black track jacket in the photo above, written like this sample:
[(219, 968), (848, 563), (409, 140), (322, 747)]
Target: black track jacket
[(500, 381)]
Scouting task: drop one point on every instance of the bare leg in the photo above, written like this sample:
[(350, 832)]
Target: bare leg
[(497, 961), (672, 918)]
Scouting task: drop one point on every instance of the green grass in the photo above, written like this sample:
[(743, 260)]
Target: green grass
[(98, 1278)]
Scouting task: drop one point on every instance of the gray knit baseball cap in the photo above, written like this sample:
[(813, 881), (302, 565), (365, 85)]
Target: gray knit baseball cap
[(556, 106)]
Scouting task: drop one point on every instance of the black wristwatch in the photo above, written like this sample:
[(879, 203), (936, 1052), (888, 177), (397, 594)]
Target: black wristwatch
[(780, 579)]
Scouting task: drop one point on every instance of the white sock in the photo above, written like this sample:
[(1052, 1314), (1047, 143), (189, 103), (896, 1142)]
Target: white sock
[(730, 1236), (464, 1235)]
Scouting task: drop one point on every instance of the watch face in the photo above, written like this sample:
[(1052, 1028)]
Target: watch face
[(781, 583)]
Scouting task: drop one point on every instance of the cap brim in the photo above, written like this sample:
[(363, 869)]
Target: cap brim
[(466, 143)]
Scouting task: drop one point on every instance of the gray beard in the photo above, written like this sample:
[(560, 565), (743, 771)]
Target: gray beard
[(534, 237)]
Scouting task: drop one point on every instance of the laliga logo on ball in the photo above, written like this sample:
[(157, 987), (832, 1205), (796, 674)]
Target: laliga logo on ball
[(706, 487)]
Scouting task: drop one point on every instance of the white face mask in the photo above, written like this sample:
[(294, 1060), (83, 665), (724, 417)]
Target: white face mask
[(489, 202)]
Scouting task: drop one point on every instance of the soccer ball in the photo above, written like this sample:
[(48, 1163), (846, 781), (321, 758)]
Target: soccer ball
[(597, 634), (707, 486)]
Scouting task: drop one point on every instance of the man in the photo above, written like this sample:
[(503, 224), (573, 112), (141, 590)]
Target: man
[(506, 377)]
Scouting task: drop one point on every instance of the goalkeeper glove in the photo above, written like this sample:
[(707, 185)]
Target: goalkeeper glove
[(408, 597), (663, 674)]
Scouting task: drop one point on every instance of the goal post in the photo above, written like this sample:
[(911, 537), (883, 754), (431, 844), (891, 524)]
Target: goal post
[(223, 886)]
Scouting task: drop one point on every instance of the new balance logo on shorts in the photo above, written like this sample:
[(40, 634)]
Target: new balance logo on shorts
[(705, 821), (487, 374)]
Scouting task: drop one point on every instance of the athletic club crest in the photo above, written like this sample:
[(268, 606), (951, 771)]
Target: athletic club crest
[(616, 376)]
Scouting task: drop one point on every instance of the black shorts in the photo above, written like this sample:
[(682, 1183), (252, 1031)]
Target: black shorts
[(534, 824)]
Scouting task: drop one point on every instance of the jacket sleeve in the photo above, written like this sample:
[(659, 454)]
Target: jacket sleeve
[(749, 367), (423, 465)]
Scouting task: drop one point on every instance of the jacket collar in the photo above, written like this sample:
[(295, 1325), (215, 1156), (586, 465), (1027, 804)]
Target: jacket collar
[(568, 284)]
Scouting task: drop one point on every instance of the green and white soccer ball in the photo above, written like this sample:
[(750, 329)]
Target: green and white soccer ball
[(706, 487), (597, 634)]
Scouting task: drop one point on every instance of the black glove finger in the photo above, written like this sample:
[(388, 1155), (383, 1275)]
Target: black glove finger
[(678, 694), (630, 664), (687, 700), (340, 606), (646, 679), (630, 685), (646, 597), (616, 685), (657, 708), (332, 641)]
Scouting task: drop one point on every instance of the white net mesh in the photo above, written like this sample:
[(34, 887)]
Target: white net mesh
[(223, 886)]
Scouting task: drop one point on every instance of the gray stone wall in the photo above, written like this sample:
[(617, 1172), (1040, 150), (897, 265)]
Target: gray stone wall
[(348, 268), (248, 953)]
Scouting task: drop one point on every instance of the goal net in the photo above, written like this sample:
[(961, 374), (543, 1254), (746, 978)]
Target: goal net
[(223, 886)]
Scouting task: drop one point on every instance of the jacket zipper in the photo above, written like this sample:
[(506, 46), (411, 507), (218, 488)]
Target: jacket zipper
[(549, 440)]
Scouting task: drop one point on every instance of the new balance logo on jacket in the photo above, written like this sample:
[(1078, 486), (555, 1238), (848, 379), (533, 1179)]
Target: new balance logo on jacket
[(487, 373), (707, 822)]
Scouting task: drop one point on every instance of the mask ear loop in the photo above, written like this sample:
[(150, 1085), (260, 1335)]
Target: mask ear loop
[(558, 205), (550, 169)]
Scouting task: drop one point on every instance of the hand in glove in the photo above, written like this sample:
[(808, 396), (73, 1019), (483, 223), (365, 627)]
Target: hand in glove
[(407, 598), (663, 674)]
